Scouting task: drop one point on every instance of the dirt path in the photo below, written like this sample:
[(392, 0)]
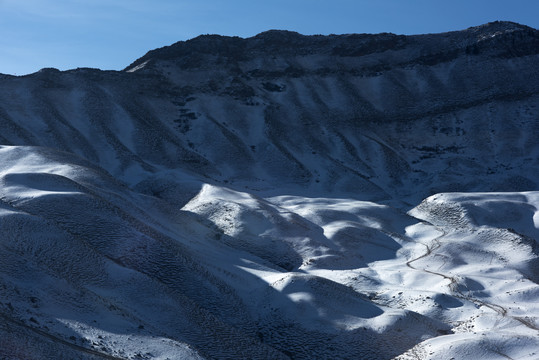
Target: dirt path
[(453, 282)]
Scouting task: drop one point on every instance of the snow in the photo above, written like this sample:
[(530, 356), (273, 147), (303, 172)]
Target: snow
[(163, 215), (455, 269)]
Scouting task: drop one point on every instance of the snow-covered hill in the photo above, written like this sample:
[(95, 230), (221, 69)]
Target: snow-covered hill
[(282, 196)]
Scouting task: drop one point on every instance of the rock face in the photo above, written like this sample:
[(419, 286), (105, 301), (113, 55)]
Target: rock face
[(191, 206)]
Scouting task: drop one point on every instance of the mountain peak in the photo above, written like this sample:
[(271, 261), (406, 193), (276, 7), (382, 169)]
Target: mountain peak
[(503, 26), (278, 34)]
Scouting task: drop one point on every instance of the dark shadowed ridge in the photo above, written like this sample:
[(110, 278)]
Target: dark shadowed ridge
[(281, 42)]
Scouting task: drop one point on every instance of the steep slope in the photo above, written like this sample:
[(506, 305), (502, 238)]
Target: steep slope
[(379, 116), (282, 196)]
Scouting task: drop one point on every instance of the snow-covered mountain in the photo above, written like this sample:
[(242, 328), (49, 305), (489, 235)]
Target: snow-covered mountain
[(282, 196)]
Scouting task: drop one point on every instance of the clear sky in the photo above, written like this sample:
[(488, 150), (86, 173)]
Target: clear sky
[(110, 34)]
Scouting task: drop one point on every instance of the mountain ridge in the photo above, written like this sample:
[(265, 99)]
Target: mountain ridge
[(283, 40)]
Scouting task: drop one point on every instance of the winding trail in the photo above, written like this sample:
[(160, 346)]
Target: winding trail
[(453, 285)]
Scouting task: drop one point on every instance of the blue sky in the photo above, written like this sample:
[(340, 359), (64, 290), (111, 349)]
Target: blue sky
[(110, 34)]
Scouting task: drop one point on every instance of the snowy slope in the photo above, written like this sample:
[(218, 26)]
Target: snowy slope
[(377, 116), (282, 196)]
